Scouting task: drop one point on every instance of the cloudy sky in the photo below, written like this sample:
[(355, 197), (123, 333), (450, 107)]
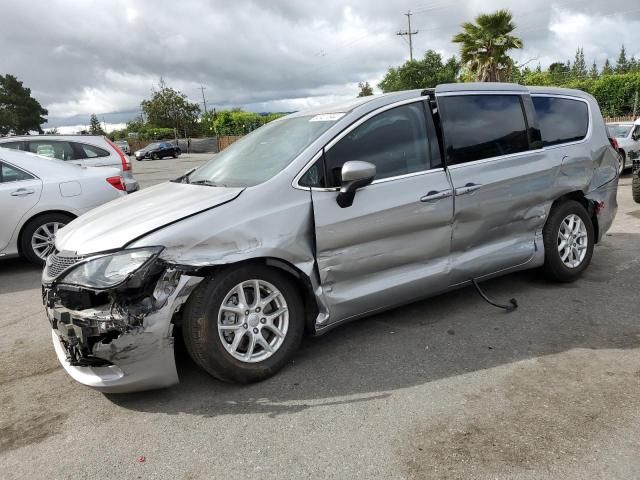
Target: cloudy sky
[(88, 56)]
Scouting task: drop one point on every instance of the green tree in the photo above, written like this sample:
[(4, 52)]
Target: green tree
[(593, 73), (234, 122), (559, 73), (622, 66), (52, 131), (579, 68), (485, 43), (427, 72), (606, 69), (20, 113), (169, 108), (365, 89), (95, 127)]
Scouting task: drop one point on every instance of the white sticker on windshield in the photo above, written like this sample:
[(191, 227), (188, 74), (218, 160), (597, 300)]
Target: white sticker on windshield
[(327, 117)]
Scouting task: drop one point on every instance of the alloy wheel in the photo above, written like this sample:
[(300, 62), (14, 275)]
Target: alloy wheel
[(572, 241), (253, 321), (42, 240)]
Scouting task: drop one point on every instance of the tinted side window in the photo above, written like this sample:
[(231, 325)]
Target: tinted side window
[(395, 141), (10, 174), (561, 120), (52, 149), (482, 126), (90, 151)]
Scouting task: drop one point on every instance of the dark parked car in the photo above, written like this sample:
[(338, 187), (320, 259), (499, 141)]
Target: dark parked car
[(635, 182), (155, 151)]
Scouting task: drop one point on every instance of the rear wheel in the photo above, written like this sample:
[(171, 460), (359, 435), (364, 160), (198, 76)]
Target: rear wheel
[(568, 241), (243, 324), (38, 236)]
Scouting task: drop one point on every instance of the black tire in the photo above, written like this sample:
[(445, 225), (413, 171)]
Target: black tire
[(200, 325), (30, 228), (635, 187), (175, 155), (154, 156), (554, 267)]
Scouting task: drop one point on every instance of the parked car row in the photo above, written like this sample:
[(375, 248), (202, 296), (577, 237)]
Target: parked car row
[(324, 216)]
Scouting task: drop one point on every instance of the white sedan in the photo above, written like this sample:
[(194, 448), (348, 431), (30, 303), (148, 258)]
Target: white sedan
[(39, 195)]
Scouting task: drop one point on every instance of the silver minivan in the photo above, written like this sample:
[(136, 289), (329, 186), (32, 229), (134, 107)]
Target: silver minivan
[(325, 216)]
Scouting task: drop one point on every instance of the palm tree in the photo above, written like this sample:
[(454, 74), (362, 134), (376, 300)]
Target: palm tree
[(484, 46)]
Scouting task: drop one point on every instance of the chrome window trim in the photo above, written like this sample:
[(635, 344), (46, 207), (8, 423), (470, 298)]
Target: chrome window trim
[(482, 92), (377, 182), (346, 131)]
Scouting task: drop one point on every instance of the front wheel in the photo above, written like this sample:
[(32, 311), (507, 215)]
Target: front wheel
[(243, 324), (568, 241)]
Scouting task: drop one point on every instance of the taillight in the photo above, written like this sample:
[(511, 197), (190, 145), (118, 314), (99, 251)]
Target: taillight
[(116, 182), (126, 166)]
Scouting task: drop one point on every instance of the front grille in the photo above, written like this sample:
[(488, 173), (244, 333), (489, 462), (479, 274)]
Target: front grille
[(57, 263)]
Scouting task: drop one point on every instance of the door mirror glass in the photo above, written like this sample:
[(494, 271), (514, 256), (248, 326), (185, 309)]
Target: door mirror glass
[(355, 175)]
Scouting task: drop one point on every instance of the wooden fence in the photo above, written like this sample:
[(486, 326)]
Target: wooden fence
[(225, 140), (625, 118)]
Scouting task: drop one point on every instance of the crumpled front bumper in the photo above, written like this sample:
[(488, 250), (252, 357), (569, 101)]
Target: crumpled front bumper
[(140, 358)]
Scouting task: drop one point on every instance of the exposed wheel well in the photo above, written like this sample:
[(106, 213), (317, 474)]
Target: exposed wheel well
[(39, 214), (301, 279), (589, 206)]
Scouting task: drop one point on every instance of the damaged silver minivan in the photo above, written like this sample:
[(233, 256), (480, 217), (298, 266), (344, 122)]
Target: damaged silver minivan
[(324, 216)]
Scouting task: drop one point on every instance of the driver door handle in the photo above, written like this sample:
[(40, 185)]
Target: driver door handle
[(468, 188), (434, 195), (22, 192)]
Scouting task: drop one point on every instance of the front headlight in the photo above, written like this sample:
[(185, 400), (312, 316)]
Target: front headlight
[(109, 270)]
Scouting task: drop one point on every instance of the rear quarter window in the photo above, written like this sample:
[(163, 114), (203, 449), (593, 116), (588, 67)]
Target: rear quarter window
[(561, 120)]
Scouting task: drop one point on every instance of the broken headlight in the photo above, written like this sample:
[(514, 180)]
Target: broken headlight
[(109, 270)]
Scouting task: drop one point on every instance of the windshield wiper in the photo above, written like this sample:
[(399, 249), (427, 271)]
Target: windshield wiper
[(208, 183)]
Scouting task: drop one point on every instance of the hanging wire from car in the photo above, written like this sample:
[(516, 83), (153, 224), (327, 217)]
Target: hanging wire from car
[(509, 308)]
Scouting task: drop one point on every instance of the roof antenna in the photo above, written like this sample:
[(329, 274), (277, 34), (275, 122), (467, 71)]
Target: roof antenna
[(508, 308)]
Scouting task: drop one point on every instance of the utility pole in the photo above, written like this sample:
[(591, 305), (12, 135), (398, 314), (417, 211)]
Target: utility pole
[(409, 33), (204, 101), (635, 105)]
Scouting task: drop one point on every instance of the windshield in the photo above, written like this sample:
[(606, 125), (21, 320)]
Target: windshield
[(151, 146), (263, 153), (620, 131)]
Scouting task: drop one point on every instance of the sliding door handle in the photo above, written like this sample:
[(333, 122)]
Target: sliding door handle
[(468, 188), (434, 195)]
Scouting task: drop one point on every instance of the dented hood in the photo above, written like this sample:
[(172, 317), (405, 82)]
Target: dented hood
[(117, 223)]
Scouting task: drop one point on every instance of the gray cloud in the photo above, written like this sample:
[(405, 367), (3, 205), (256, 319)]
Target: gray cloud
[(104, 57)]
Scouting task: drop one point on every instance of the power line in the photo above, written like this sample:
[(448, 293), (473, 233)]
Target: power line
[(409, 33)]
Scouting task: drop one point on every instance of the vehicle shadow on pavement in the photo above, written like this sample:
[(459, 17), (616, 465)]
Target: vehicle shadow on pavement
[(441, 337), (17, 275)]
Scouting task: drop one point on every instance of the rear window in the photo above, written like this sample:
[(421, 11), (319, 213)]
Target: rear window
[(483, 126), (91, 151), (562, 120)]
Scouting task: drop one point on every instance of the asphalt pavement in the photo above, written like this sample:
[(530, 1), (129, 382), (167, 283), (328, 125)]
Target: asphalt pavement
[(449, 387)]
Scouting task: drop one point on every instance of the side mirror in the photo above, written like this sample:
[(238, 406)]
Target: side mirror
[(355, 175)]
